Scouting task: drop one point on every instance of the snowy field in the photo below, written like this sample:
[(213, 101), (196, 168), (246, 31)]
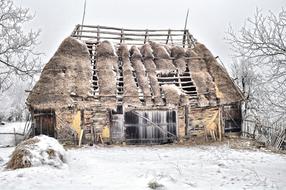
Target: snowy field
[(9, 139), (174, 167)]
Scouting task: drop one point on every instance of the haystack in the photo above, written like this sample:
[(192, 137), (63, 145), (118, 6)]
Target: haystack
[(130, 94), (67, 73), (37, 151), (136, 60), (150, 66), (163, 61), (106, 61)]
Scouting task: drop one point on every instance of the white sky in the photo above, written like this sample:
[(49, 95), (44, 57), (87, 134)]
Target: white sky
[(208, 19)]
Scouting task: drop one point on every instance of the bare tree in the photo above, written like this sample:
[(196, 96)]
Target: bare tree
[(261, 43), (18, 57)]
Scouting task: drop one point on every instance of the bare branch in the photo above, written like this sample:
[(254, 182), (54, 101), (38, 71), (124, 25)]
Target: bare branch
[(261, 72), (18, 55)]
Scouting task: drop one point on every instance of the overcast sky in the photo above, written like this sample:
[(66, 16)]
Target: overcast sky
[(208, 19)]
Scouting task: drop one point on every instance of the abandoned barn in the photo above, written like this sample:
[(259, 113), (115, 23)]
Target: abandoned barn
[(115, 85)]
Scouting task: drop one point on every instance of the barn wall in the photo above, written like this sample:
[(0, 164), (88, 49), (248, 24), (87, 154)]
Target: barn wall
[(202, 119), (181, 123), (65, 119)]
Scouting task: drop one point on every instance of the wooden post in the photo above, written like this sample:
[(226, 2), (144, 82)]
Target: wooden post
[(146, 35), (98, 35), (186, 119), (15, 137), (219, 124), (92, 134), (169, 33), (122, 36), (185, 29), (188, 39), (80, 137)]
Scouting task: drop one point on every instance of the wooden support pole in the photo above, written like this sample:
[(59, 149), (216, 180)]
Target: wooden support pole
[(98, 34), (15, 137), (80, 137), (122, 36), (146, 36), (185, 29), (169, 33), (219, 124)]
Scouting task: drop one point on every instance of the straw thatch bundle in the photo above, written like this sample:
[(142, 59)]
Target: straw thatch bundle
[(163, 61), (184, 99), (68, 72), (168, 49), (146, 51), (37, 151), (178, 53), (202, 79), (150, 66), (136, 60), (106, 61), (174, 96), (130, 95), (226, 91)]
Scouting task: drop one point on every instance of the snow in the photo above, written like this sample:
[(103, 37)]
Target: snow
[(38, 152), (9, 127), (174, 167), (9, 139)]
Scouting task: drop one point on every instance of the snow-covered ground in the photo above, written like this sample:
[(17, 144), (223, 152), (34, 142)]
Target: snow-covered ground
[(9, 139), (175, 167)]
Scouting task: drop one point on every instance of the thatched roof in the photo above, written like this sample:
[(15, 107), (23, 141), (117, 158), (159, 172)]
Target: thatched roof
[(193, 71), (152, 74), (66, 75)]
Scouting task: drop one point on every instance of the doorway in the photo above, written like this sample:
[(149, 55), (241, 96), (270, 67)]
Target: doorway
[(150, 127), (44, 123)]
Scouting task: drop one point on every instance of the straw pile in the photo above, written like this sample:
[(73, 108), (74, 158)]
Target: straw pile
[(68, 72), (163, 61), (150, 66), (136, 60), (37, 151), (130, 94), (106, 61)]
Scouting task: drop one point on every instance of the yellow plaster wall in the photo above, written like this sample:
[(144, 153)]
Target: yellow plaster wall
[(105, 132), (76, 122)]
